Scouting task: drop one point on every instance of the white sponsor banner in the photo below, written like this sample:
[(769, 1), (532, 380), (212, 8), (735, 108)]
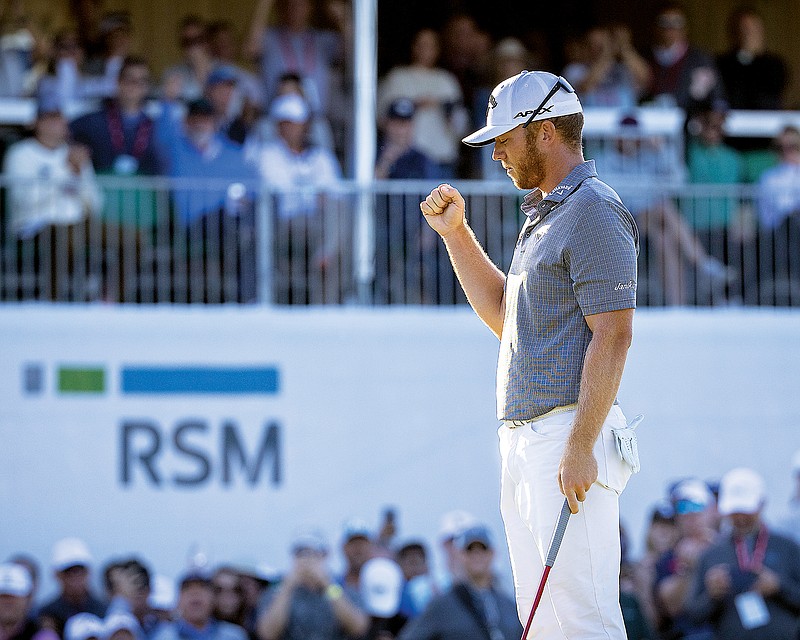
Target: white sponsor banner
[(165, 431)]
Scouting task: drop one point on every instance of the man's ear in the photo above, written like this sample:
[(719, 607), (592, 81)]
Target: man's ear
[(547, 131)]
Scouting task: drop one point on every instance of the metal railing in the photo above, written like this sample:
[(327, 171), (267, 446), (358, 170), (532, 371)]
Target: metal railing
[(158, 240)]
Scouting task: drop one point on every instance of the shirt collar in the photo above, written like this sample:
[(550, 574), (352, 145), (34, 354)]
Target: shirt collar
[(537, 204)]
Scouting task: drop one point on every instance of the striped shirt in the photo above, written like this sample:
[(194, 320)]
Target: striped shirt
[(575, 256)]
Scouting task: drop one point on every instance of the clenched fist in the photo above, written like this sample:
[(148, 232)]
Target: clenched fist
[(444, 209)]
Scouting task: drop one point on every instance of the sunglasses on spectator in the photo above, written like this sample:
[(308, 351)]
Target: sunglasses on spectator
[(788, 146), (561, 83)]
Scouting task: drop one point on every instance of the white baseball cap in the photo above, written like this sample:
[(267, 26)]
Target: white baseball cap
[(289, 107), (454, 522), (121, 621), (83, 626), (15, 580), (514, 100), (741, 490), (381, 587), (70, 552)]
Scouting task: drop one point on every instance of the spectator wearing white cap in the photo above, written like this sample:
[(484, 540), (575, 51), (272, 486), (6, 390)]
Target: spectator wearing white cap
[(312, 227), (747, 585), (381, 590), (308, 603), (16, 586), (320, 133), (71, 564), (52, 191), (474, 608), (84, 626), (451, 525), (122, 626), (789, 522), (290, 162)]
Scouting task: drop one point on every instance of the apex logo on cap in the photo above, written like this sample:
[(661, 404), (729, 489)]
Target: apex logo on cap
[(522, 114)]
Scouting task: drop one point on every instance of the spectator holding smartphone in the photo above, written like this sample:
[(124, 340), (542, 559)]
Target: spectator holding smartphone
[(307, 603)]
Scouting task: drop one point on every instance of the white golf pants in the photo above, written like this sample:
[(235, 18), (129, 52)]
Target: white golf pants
[(581, 599)]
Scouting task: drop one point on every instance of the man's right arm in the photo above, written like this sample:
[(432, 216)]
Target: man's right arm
[(482, 281)]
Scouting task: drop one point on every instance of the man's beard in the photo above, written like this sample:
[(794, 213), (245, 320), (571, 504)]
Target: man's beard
[(529, 173)]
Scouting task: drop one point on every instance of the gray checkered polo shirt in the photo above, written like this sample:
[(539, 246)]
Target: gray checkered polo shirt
[(575, 256)]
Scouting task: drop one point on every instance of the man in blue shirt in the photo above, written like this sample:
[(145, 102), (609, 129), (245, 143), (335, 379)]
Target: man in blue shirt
[(194, 620), (214, 208)]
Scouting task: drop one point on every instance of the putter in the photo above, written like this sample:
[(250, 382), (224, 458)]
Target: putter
[(555, 543)]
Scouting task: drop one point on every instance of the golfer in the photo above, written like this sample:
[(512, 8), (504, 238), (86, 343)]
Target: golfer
[(564, 317)]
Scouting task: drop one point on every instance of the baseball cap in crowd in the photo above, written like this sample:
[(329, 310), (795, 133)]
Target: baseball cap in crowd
[(289, 107), (162, 593), (356, 528), (121, 621), (412, 544), (741, 490), (70, 552), (194, 576), (530, 93), (381, 587), (309, 539), (663, 512), (402, 109), (15, 580), (200, 107), (691, 496), (222, 73), (477, 533), (83, 626), (454, 522), (48, 101)]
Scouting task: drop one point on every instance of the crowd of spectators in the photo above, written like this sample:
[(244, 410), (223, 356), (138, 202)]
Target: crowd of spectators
[(275, 110), (712, 568)]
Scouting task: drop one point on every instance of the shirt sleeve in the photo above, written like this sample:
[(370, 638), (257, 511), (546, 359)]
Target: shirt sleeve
[(601, 254)]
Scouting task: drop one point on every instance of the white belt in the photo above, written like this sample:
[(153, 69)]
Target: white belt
[(513, 424)]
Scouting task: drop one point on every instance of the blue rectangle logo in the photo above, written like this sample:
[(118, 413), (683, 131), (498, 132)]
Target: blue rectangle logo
[(200, 380)]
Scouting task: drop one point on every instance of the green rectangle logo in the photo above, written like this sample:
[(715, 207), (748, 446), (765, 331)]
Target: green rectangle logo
[(81, 380)]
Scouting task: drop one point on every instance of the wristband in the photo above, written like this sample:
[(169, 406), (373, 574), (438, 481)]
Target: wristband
[(334, 592)]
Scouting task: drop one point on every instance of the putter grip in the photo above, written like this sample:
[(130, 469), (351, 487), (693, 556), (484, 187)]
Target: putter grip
[(558, 535)]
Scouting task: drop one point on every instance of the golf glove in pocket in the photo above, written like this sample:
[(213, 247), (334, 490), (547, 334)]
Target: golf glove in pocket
[(625, 437)]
